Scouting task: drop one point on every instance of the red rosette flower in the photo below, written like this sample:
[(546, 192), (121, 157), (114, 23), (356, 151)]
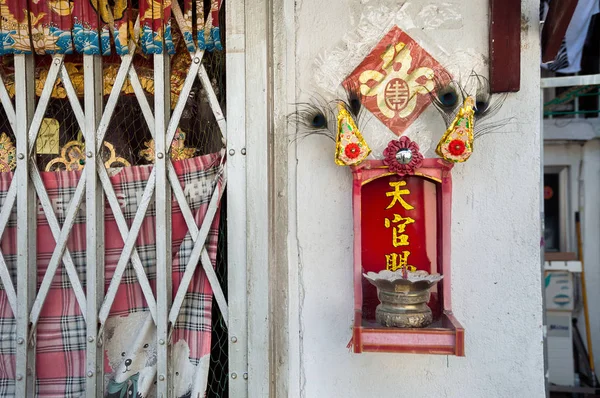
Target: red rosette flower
[(402, 156), (456, 147), (352, 150)]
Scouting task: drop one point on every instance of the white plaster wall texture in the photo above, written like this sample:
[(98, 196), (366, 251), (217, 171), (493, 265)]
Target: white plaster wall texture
[(571, 155), (495, 237)]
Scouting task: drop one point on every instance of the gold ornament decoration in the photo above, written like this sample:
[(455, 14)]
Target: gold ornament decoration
[(8, 160), (456, 145), (178, 149), (113, 160), (72, 158), (351, 148)]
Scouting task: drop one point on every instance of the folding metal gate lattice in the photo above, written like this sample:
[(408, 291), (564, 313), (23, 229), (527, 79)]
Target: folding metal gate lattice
[(95, 186)]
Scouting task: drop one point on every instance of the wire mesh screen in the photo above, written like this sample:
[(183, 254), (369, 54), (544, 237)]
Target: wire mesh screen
[(199, 124), (219, 365), (59, 144)]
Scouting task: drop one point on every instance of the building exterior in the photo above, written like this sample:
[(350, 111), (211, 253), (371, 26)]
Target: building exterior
[(288, 306), (495, 233)]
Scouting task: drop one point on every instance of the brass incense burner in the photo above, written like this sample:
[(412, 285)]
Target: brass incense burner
[(404, 296)]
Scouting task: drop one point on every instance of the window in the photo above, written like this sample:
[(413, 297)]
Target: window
[(556, 209)]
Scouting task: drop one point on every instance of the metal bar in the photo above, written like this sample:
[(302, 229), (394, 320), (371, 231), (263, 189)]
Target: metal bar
[(284, 298), (26, 223), (575, 390), (163, 220), (570, 112), (72, 96), (136, 35), (566, 81), (199, 239), (128, 245), (186, 212), (9, 202), (541, 231), (587, 94), (5, 214), (120, 78), (111, 197), (213, 101), (184, 95), (258, 63), (7, 104), (60, 237), (214, 283), (7, 283), (198, 236), (40, 111), (113, 99), (125, 69), (142, 100), (236, 198), (94, 217)]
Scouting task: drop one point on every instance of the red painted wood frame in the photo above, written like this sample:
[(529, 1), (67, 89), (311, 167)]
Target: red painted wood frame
[(505, 45), (447, 337)]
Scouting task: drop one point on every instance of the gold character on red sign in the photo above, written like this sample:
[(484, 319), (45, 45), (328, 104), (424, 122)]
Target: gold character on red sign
[(397, 193), (395, 261), (399, 238)]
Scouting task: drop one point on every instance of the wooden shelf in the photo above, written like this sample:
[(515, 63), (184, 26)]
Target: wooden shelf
[(446, 336)]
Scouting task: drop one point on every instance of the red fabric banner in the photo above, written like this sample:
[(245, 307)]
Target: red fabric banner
[(103, 27)]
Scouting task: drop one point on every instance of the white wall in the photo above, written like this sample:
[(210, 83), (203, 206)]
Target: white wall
[(495, 244), (588, 173)]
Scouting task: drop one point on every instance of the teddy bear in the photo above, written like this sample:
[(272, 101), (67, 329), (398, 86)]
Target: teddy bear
[(130, 360), (130, 350)]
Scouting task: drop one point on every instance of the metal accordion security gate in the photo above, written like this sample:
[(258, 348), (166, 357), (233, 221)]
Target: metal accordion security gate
[(112, 258)]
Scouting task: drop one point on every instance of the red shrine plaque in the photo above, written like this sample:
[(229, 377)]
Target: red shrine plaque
[(398, 229), (403, 222)]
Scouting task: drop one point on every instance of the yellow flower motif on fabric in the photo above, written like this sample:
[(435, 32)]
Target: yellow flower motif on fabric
[(155, 8), (61, 7), (21, 41), (186, 23), (42, 39), (122, 34), (8, 20)]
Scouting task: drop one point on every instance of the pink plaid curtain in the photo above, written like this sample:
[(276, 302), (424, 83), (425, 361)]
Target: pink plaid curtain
[(129, 338)]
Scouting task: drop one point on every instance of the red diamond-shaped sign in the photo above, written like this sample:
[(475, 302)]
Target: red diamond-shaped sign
[(395, 80)]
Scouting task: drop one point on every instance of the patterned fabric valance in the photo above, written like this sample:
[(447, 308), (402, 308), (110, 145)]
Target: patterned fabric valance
[(106, 26)]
